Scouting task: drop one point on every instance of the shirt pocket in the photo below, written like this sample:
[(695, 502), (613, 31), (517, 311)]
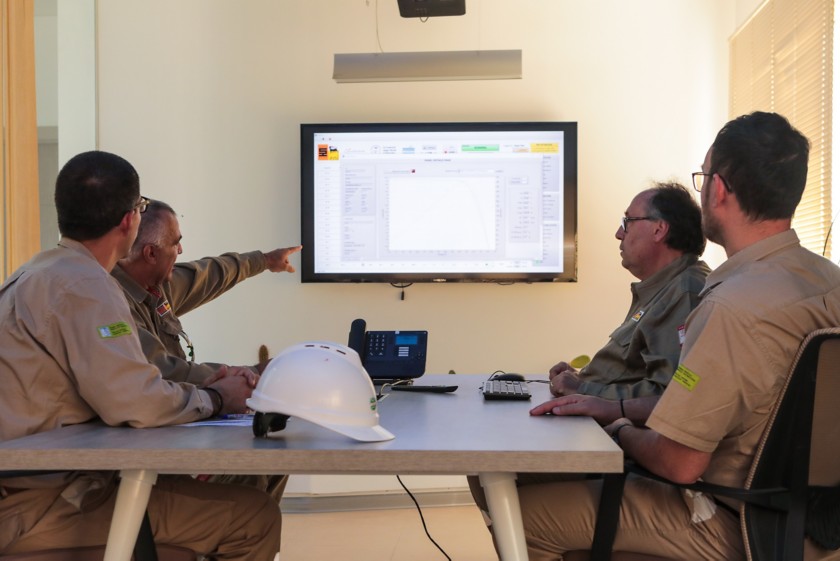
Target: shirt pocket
[(623, 334)]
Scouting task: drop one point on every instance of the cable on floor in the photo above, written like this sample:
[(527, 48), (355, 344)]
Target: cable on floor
[(423, 520)]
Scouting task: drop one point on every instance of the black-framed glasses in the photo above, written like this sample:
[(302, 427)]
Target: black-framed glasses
[(142, 204), (626, 219), (698, 178)]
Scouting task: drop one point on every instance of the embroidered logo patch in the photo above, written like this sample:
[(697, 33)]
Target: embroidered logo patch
[(114, 330), (163, 308), (686, 378), (638, 315)]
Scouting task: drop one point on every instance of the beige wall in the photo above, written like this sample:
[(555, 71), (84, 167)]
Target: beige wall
[(205, 98)]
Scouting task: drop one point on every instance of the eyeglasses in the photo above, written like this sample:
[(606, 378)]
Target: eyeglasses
[(142, 204), (698, 178), (626, 219)]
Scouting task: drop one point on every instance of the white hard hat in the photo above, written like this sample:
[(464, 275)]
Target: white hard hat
[(321, 382)]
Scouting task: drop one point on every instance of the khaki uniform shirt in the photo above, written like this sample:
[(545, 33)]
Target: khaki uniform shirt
[(69, 354), (193, 284), (643, 352), (755, 311)]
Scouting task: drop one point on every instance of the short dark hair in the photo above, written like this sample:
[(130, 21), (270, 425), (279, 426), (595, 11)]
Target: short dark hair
[(673, 203), (93, 192), (151, 229), (763, 159)]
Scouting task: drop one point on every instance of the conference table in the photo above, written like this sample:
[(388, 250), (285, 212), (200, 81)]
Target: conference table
[(456, 433)]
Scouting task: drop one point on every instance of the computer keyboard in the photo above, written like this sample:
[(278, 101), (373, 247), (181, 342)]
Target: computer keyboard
[(505, 389)]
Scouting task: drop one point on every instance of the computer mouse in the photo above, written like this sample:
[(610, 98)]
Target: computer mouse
[(510, 377)]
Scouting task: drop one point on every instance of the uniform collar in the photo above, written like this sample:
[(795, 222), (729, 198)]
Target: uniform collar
[(76, 246), (756, 252), (663, 276), (136, 292)]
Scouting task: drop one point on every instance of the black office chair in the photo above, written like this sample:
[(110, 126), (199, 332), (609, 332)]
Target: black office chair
[(792, 492)]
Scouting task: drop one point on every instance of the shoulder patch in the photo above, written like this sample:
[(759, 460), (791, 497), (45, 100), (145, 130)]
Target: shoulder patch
[(114, 330), (686, 378)]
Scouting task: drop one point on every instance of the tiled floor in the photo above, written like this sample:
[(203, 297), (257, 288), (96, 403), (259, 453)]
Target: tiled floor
[(387, 535)]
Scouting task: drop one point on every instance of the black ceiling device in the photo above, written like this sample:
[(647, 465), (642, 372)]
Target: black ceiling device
[(431, 8)]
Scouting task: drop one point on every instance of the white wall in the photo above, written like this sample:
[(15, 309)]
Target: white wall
[(205, 97), (65, 86), (46, 62)]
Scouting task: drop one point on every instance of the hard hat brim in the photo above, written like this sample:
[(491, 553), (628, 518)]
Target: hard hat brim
[(375, 433)]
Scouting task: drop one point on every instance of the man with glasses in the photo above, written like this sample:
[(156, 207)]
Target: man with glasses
[(661, 241), (159, 290), (69, 354), (754, 313)]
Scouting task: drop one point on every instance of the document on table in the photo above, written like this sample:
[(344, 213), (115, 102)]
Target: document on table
[(239, 420)]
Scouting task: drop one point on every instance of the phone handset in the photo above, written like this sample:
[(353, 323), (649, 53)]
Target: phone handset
[(356, 340)]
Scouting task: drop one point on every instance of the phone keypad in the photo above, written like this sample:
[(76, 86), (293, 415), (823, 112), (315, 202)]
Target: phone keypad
[(376, 345)]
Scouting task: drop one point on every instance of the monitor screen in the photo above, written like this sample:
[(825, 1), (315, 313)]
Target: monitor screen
[(439, 202)]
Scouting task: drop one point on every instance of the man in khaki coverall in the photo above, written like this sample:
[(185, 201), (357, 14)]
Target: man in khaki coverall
[(754, 312), (661, 242), (69, 354), (159, 290)]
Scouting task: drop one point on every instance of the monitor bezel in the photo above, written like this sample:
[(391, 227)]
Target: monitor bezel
[(570, 188)]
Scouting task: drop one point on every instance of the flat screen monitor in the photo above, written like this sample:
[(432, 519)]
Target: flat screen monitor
[(439, 202)]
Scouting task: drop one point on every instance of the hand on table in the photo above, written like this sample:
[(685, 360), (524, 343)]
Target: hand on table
[(248, 373), (604, 411), (234, 386), (563, 379)]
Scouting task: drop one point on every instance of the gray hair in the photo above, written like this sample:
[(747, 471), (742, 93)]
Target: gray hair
[(151, 230)]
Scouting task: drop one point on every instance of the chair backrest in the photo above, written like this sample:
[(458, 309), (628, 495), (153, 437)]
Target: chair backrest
[(825, 436), (796, 457), (797, 449), (824, 465)]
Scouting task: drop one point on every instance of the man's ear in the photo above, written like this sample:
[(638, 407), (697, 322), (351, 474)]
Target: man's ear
[(719, 190), (125, 222), (150, 253), (660, 230)]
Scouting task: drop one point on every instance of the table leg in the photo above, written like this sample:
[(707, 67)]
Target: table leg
[(132, 499), (503, 501)]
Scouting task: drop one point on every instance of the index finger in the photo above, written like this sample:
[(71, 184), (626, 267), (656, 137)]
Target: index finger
[(546, 407)]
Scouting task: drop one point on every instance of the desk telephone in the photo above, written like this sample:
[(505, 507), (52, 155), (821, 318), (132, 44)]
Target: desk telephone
[(389, 355)]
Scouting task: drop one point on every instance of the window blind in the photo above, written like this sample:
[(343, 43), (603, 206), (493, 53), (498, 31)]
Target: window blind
[(781, 60)]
